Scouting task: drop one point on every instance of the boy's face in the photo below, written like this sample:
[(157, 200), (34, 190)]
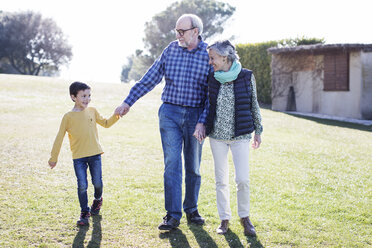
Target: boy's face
[(82, 99)]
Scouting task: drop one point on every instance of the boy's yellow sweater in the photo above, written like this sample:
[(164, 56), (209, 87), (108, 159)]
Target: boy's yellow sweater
[(82, 133)]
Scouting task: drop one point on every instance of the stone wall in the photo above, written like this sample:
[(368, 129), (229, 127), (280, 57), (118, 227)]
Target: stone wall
[(298, 74), (298, 83), (366, 100)]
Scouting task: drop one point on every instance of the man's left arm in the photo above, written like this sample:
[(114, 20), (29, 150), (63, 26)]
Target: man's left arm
[(200, 132)]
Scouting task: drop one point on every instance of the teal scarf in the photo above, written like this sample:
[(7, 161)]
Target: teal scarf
[(228, 76)]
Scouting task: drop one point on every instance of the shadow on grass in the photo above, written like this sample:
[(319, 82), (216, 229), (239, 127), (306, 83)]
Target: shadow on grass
[(234, 241), (254, 242), (202, 237), (176, 238), (80, 237), (335, 123), (95, 241)]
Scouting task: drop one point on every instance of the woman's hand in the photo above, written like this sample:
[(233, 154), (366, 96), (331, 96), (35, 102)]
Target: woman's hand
[(256, 141), (199, 132)]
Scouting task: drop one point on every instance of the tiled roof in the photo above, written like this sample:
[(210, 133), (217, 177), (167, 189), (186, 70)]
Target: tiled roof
[(321, 48)]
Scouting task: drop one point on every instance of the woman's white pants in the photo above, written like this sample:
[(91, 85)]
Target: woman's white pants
[(240, 155)]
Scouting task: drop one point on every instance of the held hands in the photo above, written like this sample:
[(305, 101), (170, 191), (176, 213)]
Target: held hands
[(256, 141), (122, 110), (52, 164), (199, 132)]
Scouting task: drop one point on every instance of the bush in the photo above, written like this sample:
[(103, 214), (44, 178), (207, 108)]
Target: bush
[(256, 58)]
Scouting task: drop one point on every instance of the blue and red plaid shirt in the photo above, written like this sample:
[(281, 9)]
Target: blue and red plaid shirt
[(185, 73)]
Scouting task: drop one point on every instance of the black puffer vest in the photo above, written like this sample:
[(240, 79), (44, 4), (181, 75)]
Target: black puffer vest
[(243, 95)]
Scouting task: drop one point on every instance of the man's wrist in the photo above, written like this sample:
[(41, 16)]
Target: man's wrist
[(127, 102)]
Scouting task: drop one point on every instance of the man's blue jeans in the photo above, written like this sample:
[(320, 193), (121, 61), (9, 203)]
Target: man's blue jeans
[(177, 125), (95, 167)]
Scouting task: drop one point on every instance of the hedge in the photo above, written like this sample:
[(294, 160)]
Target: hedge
[(256, 58)]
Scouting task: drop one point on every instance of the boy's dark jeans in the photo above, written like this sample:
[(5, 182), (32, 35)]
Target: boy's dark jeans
[(95, 167)]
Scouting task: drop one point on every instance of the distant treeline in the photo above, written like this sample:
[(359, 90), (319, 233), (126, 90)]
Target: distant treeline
[(31, 44)]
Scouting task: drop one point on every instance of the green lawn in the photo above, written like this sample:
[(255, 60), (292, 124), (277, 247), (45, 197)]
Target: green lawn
[(310, 180)]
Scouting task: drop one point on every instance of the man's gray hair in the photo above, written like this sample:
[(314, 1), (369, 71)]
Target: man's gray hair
[(196, 22), (225, 48)]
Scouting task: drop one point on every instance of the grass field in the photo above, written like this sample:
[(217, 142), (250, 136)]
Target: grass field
[(310, 180)]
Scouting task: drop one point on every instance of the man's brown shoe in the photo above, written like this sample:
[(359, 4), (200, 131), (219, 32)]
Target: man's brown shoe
[(222, 229), (248, 227)]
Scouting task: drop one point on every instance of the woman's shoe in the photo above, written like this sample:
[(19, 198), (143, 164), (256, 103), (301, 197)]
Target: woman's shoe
[(248, 227), (224, 226)]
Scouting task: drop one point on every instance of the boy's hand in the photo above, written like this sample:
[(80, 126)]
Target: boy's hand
[(52, 164)]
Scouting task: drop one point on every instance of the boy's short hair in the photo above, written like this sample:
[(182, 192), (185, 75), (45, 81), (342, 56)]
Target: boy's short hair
[(75, 87)]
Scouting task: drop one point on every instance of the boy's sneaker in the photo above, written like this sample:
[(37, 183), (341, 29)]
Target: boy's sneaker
[(84, 219), (96, 206)]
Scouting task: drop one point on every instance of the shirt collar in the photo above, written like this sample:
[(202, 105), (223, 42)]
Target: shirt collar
[(202, 45)]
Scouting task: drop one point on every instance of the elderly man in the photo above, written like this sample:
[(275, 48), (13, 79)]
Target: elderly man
[(184, 65)]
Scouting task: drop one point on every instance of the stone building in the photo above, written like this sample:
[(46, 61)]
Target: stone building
[(332, 79)]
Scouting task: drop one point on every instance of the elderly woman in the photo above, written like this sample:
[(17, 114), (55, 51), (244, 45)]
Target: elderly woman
[(233, 115)]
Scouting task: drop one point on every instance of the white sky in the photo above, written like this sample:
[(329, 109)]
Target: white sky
[(104, 33)]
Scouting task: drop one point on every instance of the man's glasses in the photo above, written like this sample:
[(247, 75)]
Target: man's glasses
[(181, 32)]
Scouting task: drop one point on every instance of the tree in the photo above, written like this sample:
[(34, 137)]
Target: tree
[(299, 41), (141, 63), (30, 43), (125, 69), (159, 32)]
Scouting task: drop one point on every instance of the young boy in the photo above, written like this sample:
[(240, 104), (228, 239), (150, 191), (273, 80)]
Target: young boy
[(80, 124)]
